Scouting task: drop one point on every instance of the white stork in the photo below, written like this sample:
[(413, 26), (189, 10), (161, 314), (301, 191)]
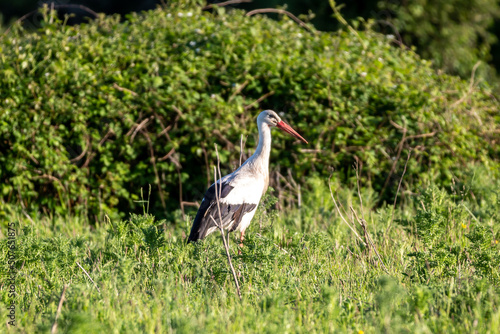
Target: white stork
[(240, 191)]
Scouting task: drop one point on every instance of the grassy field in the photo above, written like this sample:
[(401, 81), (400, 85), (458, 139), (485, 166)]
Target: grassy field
[(91, 113), (300, 270)]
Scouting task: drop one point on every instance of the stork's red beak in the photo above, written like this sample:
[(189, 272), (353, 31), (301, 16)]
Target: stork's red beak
[(288, 129)]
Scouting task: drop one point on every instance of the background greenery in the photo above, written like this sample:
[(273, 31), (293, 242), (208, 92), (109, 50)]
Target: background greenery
[(91, 115), (455, 35)]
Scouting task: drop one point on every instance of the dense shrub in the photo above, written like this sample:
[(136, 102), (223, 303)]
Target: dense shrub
[(90, 114), (454, 240)]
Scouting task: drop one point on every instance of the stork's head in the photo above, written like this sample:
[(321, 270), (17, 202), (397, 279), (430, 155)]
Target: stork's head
[(271, 118)]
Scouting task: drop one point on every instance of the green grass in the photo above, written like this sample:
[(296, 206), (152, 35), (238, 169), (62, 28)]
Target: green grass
[(301, 270)]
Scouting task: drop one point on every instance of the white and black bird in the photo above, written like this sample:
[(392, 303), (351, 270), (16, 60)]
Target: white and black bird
[(240, 191)]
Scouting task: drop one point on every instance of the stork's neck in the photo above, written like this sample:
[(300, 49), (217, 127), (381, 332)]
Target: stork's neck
[(260, 159)]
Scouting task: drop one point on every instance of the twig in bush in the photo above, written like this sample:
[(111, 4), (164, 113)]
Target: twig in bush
[(369, 239), (218, 190), (90, 278), (281, 11), (122, 89), (340, 213), (400, 148), (90, 156), (398, 155), (157, 176), (423, 135), (166, 156), (471, 86), (339, 17), (164, 132), (399, 40), (225, 3), (362, 221), (472, 215), (181, 202), (397, 192), (241, 149), (28, 216), (81, 155), (238, 90), (53, 179), (58, 312), (53, 6), (359, 191), (139, 127), (259, 100), (205, 156), (106, 136)]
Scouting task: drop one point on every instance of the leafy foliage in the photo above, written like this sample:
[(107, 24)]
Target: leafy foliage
[(453, 239), (92, 112)]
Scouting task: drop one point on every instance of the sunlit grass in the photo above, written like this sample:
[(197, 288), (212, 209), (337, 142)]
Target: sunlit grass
[(300, 271)]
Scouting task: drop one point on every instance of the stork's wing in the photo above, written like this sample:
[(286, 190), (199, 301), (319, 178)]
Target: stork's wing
[(208, 208), (232, 207)]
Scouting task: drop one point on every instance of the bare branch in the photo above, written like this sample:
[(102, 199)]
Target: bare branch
[(75, 159), (423, 135), (241, 148), (166, 156), (220, 226), (139, 127), (53, 179), (281, 11), (58, 312), (225, 3), (196, 204), (54, 6), (340, 213), (122, 89), (362, 222), (238, 90), (344, 22), (260, 99), (90, 278), (393, 167), (157, 176), (399, 40), (397, 192), (359, 191), (106, 136), (471, 86)]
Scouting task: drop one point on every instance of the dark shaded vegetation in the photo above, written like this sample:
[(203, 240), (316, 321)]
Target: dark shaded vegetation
[(455, 35)]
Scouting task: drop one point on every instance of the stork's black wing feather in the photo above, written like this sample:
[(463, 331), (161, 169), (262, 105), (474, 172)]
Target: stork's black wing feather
[(238, 214), (208, 208)]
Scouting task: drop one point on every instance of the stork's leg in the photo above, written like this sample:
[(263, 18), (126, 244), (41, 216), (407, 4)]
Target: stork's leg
[(242, 237)]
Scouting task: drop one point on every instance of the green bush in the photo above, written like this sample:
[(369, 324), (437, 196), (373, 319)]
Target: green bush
[(92, 113), (454, 242)]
